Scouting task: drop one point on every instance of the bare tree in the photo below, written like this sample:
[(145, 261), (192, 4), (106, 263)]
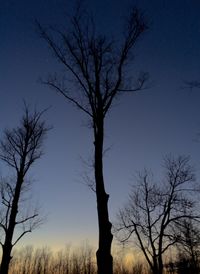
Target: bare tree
[(96, 74), (154, 211), (188, 244), (19, 149)]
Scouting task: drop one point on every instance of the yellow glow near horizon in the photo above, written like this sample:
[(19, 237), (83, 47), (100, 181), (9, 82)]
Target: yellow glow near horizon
[(129, 259)]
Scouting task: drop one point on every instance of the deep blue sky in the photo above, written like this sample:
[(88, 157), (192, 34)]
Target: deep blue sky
[(140, 129)]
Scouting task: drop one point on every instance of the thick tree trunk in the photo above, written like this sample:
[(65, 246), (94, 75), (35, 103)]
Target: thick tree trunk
[(6, 258), (104, 257), (157, 268)]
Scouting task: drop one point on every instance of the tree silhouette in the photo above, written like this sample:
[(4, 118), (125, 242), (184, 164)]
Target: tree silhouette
[(188, 245), (19, 149), (155, 211), (97, 73)]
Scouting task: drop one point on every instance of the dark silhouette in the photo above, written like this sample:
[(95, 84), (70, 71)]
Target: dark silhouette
[(155, 212), (188, 246), (19, 149), (96, 65)]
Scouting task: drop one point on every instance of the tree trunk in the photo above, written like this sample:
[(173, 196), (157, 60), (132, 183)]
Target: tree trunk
[(157, 269), (6, 258), (160, 258), (7, 246), (160, 271), (103, 254)]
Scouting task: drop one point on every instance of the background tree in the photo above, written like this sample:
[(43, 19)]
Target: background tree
[(188, 246), (97, 73), (19, 149), (70, 260), (154, 211)]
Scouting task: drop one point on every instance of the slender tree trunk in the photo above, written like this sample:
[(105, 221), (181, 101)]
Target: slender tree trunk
[(160, 260), (104, 257), (160, 271), (7, 246)]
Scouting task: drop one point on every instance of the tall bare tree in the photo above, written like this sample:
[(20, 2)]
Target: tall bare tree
[(154, 211), (96, 74), (19, 149)]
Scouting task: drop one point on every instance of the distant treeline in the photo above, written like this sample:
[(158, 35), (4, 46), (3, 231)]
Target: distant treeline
[(81, 260), (30, 260)]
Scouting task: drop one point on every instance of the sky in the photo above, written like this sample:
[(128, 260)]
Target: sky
[(141, 128)]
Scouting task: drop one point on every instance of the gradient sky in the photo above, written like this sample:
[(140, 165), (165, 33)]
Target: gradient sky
[(140, 129)]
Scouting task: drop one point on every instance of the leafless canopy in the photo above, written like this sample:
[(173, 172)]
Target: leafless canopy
[(19, 149), (154, 211), (95, 62)]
